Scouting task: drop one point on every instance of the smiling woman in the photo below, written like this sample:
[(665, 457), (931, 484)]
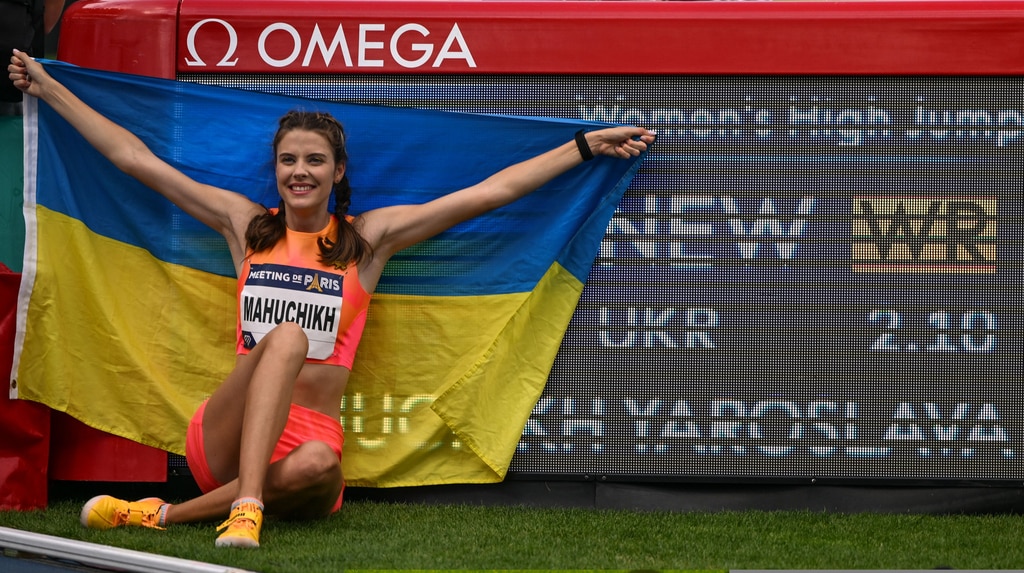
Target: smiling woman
[(307, 171), (270, 432)]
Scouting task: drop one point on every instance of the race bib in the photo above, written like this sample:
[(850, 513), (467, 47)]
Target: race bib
[(273, 294)]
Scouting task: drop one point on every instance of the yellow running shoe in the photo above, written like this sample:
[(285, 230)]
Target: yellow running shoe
[(106, 512), (242, 529)]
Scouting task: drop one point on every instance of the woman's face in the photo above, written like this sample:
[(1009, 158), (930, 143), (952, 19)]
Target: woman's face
[(306, 171)]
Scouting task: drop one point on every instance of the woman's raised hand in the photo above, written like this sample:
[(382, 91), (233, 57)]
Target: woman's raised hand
[(622, 142), (27, 74)]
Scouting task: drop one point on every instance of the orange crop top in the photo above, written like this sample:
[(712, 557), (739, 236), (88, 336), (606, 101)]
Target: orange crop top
[(288, 283)]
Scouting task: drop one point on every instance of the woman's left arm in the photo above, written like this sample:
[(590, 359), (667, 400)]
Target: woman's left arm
[(392, 229)]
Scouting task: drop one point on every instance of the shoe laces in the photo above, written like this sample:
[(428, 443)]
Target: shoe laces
[(144, 517), (244, 516)]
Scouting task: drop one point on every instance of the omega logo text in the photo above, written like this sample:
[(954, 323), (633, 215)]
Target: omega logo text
[(366, 45)]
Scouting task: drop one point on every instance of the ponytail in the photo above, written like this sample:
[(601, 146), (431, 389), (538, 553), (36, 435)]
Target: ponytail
[(349, 245), (266, 229)]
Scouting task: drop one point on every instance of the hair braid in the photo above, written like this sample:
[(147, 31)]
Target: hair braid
[(350, 245)]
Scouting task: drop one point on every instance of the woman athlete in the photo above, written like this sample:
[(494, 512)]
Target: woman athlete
[(268, 438)]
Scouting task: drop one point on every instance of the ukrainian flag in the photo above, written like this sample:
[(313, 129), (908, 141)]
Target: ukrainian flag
[(127, 312)]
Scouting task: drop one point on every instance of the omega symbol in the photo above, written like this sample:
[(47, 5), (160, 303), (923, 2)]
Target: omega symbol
[(226, 61)]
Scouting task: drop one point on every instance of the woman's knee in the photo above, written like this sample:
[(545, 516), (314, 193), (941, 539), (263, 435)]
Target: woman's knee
[(287, 337), (305, 484), (312, 466)]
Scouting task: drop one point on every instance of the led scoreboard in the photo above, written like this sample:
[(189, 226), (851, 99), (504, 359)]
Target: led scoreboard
[(815, 275)]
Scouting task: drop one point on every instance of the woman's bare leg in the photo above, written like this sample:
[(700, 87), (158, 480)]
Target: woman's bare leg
[(244, 419), (267, 403), (306, 483)]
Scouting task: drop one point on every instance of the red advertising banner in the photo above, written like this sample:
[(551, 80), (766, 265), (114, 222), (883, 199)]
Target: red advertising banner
[(159, 37)]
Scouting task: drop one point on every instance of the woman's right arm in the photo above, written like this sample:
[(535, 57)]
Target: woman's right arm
[(225, 211)]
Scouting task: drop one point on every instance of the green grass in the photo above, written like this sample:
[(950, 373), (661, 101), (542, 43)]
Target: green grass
[(375, 535)]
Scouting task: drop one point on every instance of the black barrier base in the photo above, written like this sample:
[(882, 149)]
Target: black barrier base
[(713, 498)]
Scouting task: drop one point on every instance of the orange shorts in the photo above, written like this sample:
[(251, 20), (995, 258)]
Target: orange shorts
[(303, 425)]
